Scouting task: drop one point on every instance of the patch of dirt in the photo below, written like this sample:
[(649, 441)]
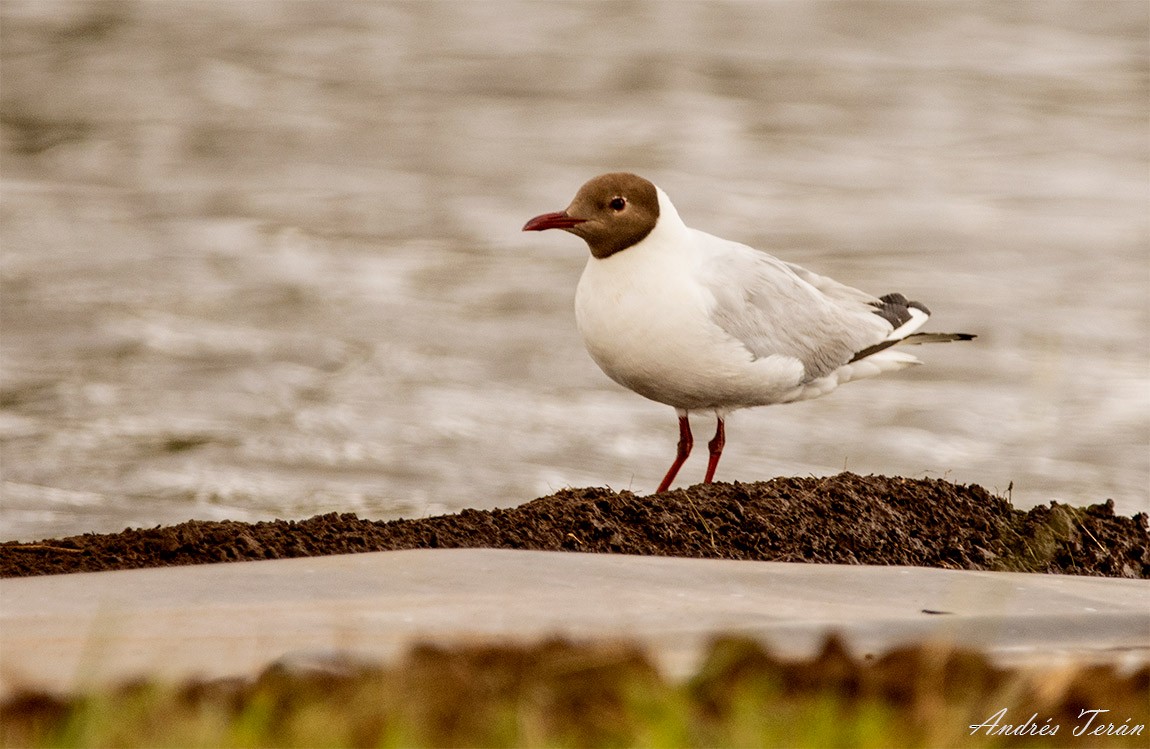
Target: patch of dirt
[(843, 519)]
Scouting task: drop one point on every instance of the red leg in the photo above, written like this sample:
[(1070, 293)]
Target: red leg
[(686, 442), (716, 448)]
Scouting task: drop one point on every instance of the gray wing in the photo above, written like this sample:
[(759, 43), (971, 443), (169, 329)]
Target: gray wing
[(829, 286), (773, 307)]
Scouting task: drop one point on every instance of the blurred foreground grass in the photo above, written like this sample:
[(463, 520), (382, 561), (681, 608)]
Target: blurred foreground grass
[(604, 695)]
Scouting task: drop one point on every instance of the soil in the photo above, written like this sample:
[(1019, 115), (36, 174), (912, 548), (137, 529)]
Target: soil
[(843, 519)]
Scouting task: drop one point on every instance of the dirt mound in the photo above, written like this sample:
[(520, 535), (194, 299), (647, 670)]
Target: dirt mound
[(844, 519)]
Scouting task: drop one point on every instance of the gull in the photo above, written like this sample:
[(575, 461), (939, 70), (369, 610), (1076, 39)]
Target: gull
[(701, 323)]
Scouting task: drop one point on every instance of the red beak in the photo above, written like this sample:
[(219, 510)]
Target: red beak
[(558, 220)]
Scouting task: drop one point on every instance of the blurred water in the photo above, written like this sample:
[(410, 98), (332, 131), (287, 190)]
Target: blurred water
[(263, 259)]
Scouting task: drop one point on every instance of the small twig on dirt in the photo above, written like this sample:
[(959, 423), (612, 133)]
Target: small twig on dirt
[(702, 520), (817, 487), (43, 547), (1092, 538)]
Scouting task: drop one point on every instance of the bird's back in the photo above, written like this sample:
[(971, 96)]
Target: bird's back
[(776, 308)]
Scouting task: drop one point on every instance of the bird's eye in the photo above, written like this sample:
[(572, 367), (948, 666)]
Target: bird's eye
[(618, 204)]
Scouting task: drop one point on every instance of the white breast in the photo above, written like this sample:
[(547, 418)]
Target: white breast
[(647, 323)]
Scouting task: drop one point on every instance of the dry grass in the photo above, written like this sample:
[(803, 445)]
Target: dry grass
[(601, 695)]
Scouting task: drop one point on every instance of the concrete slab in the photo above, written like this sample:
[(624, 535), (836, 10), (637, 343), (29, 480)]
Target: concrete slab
[(68, 631)]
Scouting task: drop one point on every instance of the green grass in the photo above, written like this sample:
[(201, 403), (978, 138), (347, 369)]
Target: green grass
[(557, 694)]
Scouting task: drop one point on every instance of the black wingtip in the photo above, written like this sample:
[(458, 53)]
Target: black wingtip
[(939, 337), (895, 308), (914, 339)]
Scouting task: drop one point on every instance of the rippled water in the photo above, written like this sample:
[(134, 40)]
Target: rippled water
[(264, 260)]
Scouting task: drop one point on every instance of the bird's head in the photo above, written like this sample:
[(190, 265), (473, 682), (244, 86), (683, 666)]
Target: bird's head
[(611, 213)]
